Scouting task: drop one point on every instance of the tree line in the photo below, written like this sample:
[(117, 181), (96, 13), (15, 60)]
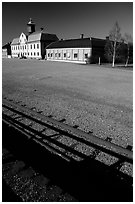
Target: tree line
[(119, 48), (115, 49)]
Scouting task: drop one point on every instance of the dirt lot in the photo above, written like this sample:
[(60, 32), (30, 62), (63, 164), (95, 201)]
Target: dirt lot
[(97, 99)]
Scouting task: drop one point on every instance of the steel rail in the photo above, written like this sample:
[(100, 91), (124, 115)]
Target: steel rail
[(49, 139), (89, 139), (31, 135)]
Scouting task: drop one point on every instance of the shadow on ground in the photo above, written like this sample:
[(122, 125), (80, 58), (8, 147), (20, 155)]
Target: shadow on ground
[(87, 181)]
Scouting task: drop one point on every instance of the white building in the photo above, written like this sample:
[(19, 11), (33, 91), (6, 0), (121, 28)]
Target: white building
[(15, 47), (33, 44), (81, 50), (73, 50)]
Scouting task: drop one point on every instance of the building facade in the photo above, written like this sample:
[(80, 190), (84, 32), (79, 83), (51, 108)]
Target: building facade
[(76, 50), (32, 44)]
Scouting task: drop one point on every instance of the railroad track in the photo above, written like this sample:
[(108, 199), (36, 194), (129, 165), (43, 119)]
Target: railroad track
[(71, 145)]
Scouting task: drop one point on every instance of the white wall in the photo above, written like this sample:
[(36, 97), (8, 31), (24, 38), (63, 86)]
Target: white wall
[(34, 49), (15, 50), (71, 54), (25, 48)]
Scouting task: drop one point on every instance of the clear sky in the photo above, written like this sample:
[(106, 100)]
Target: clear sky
[(66, 19)]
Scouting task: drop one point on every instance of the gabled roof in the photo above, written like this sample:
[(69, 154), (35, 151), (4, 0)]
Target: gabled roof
[(15, 41), (40, 36), (72, 43)]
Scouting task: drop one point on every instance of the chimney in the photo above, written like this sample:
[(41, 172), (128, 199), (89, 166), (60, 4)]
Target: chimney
[(81, 36)]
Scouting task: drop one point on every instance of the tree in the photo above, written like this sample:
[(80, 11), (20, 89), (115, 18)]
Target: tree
[(128, 40), (113, 44)]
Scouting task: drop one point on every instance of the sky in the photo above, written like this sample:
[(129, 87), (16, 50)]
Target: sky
[(66, 19)]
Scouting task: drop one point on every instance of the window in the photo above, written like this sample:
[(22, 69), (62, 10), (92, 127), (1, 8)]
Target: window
[(59, 54), (37, 45), (38, 53), (28, 53), (31, 53), (86, 55), (51, 54), (34, 53), (55, 54), (75, 55), (48, 54), (68, 55), (34, 46), (64, 54), (31, 46), (25, 46)]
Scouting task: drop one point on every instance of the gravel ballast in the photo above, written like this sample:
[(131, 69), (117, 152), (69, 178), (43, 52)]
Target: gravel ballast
[(96, 99)]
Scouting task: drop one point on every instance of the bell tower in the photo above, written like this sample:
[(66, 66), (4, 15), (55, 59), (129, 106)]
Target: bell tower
[(30, 26)]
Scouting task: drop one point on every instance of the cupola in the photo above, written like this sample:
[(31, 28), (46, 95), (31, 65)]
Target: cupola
[(30, 26)]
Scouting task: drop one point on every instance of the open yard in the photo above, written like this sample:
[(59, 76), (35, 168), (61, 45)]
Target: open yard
[(95, 98)]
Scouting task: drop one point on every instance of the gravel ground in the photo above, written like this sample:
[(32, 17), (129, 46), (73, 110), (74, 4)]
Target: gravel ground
[(96, 99)]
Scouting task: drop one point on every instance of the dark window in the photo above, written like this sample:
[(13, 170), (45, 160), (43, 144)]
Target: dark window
[(37, 45), (75, 55), (25, 46), (31, 46), (64, 54), (34, 46), (31, 53), (28, 53), (59, 54), (38, 53), (48, 54), (51, 54), (86, 55), (34, 53)]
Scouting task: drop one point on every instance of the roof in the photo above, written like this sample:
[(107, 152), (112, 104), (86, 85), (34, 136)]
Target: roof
[(39, 35), (15, 41), (6, 45), (36, 36), (71, 43), (96, 42)]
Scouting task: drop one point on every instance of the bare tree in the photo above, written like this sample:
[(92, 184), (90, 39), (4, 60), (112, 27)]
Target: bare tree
[(128, 40), (115, 38)]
